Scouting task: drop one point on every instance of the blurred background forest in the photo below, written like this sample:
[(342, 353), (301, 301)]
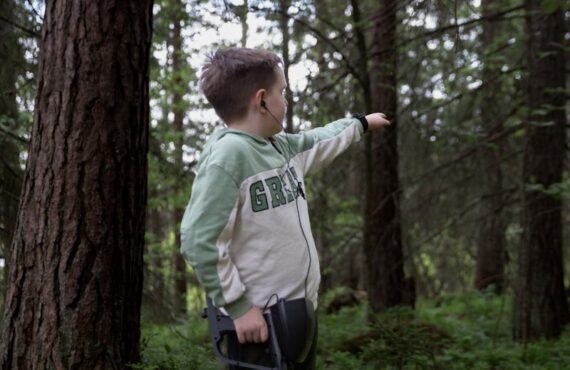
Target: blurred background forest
[(454, 76)]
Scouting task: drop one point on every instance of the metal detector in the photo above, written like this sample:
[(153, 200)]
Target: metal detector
[(221, 325)]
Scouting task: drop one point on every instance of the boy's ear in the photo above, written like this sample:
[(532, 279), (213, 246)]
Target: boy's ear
[(259, 98)]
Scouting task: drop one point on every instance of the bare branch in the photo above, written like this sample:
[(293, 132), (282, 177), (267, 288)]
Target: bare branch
[(493, 17), (325, 39), (30, 32), (14, 136)]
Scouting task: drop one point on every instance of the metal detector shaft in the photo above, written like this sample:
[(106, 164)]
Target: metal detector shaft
[(220, 325)]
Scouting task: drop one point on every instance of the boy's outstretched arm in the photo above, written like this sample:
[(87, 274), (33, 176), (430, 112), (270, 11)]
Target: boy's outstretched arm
[(316, 148)]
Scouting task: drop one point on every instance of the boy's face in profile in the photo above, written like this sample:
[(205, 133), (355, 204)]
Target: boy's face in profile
[(276, 102)]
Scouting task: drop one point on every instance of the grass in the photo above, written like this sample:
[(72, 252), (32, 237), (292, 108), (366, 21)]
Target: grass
[(463, 331)]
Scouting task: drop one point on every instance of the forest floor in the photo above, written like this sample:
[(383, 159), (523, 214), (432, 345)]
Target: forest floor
[(462, 331)]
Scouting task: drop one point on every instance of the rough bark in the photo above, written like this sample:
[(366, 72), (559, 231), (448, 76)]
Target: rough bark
[(540, 306), (76, 279), (384, 254), (489, 269)]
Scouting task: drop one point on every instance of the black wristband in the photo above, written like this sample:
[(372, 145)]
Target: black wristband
[(362, 118)]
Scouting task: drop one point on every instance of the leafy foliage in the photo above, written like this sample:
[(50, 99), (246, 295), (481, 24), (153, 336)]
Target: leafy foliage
[(182, 346)]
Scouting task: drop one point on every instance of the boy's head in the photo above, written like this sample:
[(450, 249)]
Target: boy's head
[(232, 76)]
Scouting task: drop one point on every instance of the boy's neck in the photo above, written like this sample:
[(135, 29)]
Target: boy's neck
[(251, 125)]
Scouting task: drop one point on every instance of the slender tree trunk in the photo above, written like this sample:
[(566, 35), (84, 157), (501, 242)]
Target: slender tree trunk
[(10, 172), (180, 280), (284, 27), (384, 254), (366, 88), (242, 13), (541, 308), (154, 292), (489, 268), (322, 229), (75, 284)]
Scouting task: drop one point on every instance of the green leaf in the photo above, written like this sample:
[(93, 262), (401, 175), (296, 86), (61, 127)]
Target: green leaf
[(550, 6)]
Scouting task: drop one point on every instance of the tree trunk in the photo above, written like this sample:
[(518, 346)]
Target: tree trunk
[(489, 268), (284, 27), (384, 254), (540, 306), (180, 281), (10, 172), (154, 292), (242, 12), (364, 80), (322, 226), (76, 278)]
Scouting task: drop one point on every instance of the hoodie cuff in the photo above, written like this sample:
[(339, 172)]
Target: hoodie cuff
[(362, 118), (238, 307)]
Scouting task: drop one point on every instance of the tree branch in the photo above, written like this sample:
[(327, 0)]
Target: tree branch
[(14, 136), (325, 39), (32, 33), (11, 195), (10, 169), (35, 11), (492, 17), (3, 230), (455, 218)]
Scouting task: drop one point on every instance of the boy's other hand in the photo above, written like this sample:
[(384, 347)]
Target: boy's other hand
[(376, 121), (251, 327)]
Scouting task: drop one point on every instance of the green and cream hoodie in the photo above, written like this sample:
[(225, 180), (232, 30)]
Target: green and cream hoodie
[(241, 231)]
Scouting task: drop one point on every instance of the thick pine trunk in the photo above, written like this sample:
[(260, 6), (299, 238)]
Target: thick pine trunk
[(75, 284), (541, 308), (384, 253), (489, 268)]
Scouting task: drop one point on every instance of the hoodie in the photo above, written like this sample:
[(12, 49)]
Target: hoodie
[(246, 229)]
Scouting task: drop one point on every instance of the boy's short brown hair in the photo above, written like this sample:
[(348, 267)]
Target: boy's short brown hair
[(231, 76)]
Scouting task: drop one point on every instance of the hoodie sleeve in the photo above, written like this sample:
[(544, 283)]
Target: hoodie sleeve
[(206, 233), (318, 147)]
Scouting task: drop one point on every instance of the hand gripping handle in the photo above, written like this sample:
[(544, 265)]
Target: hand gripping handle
[(220, 325)]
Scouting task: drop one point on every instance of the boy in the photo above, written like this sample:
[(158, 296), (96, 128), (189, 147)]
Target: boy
[(246, 230)]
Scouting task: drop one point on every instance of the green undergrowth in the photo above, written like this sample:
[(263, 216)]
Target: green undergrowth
[(466, 331), (184, 345)]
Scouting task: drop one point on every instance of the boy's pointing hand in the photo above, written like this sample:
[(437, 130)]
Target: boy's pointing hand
[(376, 121)]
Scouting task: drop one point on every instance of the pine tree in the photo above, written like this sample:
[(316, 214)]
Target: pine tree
[(74, 289), (541, 307)]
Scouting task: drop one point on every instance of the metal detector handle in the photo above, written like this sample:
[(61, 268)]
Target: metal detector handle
[(220, 324)]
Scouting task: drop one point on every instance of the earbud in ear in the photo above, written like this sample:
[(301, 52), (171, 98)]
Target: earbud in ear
[(263, 104)]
